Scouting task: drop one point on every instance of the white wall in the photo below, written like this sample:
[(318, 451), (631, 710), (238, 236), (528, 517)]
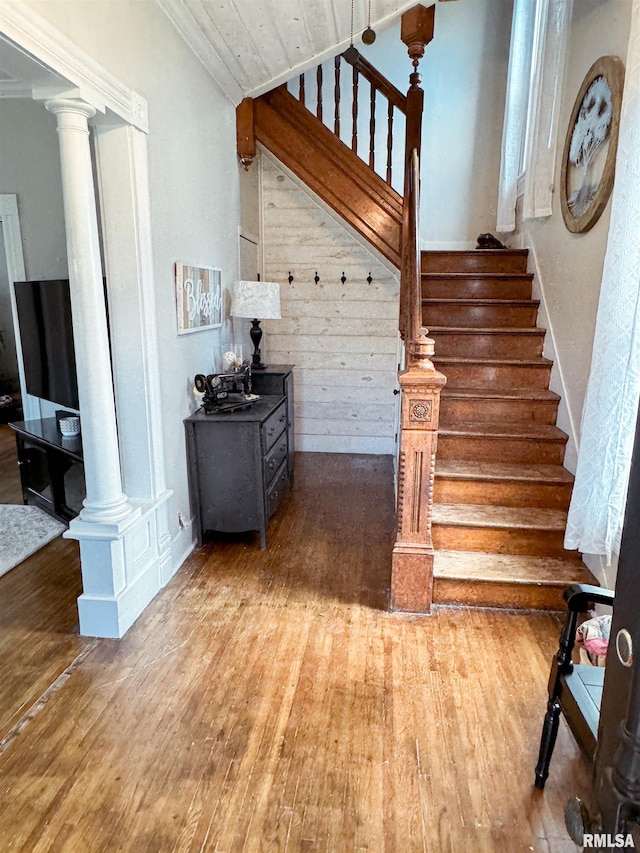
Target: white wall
[(30, 168), (193, 177), (342, 338), (569, 266)]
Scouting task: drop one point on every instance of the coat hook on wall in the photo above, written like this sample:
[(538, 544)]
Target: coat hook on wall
[(369, 279), (316, 277), (343, 278), (290, 277)]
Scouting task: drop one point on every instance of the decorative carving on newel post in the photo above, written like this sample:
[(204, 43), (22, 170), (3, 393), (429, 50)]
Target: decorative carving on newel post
[(412, 562)]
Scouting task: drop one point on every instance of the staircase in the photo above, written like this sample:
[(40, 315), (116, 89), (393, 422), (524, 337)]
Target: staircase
[(501, 494)]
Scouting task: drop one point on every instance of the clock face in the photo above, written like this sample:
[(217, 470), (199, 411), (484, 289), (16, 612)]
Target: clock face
[(588, 163)]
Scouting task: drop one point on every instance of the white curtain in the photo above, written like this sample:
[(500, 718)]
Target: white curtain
[(611, 403), (539, 36), (515, 111), (553, 25)]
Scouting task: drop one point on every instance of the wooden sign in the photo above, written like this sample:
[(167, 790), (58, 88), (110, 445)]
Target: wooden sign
[(198, 298)]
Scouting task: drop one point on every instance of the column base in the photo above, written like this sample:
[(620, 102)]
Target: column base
[(124, 565), (411, 579)]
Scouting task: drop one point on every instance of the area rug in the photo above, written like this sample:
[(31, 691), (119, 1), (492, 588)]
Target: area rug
[(23, 531)]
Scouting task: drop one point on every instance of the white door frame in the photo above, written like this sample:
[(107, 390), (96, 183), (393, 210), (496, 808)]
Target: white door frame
[(10, 220), (123, 566)]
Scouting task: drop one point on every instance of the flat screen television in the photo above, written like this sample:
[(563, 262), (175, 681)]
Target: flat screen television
[(46, 334)]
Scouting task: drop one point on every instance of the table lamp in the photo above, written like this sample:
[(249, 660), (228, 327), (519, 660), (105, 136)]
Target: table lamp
[(256, 299)]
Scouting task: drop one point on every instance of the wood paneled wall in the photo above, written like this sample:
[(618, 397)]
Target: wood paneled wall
[(342, 338)]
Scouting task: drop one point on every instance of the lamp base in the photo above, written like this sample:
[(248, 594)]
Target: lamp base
[(255, 333)]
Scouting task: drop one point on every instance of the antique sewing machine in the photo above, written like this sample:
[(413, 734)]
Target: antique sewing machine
[(226, 392)]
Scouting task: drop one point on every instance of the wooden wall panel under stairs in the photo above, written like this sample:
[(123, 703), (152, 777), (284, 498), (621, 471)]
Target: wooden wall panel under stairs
[(331, 169), (501, 491)]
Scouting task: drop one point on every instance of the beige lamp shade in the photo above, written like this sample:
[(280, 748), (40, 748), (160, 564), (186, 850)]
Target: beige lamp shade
[(256, 299)]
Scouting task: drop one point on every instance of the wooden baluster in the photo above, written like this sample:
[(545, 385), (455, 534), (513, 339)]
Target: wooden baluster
[(336, 96), (372, 129), (319, 92), (301, 93), (389, 141), (412, 561), (354, 112)]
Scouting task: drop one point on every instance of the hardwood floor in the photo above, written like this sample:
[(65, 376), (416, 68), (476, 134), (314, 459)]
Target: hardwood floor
[(10, 488), (266, 701), (39, 636)]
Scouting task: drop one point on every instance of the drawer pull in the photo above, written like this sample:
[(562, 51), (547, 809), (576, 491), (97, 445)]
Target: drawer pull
[(273, 464), (271, 431)]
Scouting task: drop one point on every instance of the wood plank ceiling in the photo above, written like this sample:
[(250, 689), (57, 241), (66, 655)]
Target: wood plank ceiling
[(251, 46)]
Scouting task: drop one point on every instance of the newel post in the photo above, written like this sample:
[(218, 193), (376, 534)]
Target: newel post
[(412, 562), (416, 32)]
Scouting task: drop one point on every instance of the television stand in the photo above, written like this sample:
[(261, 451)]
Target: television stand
[(51, 468)]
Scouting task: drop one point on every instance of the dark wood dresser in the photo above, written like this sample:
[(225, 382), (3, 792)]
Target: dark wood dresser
[(240, 465)]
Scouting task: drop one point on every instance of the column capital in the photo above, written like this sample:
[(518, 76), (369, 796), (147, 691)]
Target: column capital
[(70, 105)]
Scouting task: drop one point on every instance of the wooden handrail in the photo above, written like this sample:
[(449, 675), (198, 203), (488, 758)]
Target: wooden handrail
[(373, 76), (410, 321)]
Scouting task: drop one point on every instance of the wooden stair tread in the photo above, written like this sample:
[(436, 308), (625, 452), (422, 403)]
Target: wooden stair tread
[(458, 276), (486, 330), (520, 518), (527, 303), (473, 259), (535, 431), (501, 393), (538, 361), (476, 566), (550, 474)]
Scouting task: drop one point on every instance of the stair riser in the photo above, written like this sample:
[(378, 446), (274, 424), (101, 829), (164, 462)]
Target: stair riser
[(488, 346), (497, 493), (474, 261), (487, 411), (488, 449), (480, 316), (495, 377), (497, 540), (479, 288), (530, 596)]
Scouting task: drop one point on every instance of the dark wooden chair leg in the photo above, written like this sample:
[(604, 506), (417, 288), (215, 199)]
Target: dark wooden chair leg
[(547, 741), (579, 599)]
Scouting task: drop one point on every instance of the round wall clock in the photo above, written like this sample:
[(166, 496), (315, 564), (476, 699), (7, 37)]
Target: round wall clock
[(589, 158)]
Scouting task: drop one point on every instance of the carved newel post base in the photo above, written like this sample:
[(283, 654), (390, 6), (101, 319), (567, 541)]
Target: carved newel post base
[(412, 563)]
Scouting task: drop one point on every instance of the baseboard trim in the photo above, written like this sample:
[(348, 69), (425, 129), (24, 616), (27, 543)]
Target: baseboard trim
[(557, 383), (345, 444)]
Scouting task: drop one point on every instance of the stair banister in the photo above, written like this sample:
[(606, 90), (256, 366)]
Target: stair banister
[(420, 383)]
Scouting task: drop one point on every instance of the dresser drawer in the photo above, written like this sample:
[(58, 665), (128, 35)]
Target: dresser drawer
[(273, 426), (274, 459), (277, 489)]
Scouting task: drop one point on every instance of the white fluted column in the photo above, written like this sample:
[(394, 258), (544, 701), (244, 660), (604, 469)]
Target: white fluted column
[(105, 501)]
